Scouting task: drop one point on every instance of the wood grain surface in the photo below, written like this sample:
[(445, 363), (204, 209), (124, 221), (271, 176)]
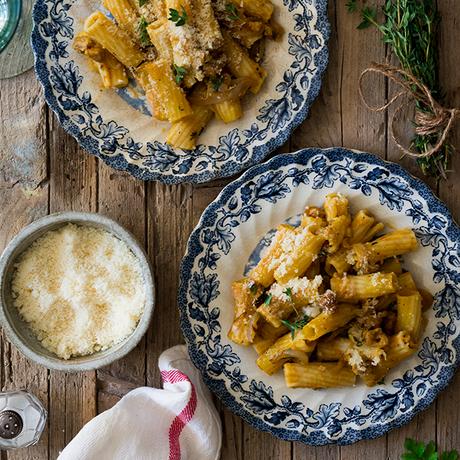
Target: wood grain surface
[(43, 170)]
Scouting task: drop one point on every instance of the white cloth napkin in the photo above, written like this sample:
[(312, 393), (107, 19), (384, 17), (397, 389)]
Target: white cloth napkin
[(178, 422)]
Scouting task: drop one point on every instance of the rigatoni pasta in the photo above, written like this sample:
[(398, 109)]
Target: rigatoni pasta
[(330, 300), (194, 59)]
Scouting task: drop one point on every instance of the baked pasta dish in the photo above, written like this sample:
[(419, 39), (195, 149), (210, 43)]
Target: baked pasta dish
[(194, 59), (330, 301)]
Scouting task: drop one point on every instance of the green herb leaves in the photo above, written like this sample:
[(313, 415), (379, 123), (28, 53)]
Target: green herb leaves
[(369, 16), (179, 18), (410, 29), (179, 73), (288, 292), (216, 84), (268, 299), (296, 325), (143, 2), (143, 34), (421, 451), (232, 12)]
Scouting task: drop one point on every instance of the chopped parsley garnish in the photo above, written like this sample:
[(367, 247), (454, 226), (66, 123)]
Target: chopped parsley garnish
[(268, 299), (142, 2), (216, 83), (175, 16), (179, 73), (232, 12), (253, 288), (143, 34), (288, 292), (296, 325)]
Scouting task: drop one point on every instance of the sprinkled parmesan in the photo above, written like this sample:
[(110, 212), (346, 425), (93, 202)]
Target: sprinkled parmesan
[(299, 287), (80, 289)]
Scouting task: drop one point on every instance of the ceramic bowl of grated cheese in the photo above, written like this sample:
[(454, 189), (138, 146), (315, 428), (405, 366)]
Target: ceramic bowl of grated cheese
[(76, 291)]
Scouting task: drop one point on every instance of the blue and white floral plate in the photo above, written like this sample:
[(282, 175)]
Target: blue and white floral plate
[(116, 125), (222, 246)]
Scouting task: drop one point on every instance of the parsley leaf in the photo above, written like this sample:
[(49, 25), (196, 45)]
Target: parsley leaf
[(421, 451), (253, 286), (296, 325), (179, 19), (288, 292), (179, 73), (268, 299), (143, 34), (142, 2), (216, 83), (232, 12)]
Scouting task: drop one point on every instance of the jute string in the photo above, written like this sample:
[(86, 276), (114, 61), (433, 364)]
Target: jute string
[(435, 120)]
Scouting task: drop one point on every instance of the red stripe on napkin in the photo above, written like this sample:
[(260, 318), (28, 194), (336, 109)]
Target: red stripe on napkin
[(179, 422)]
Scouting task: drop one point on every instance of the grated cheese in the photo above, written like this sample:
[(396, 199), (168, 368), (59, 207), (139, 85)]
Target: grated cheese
[(80, 289)]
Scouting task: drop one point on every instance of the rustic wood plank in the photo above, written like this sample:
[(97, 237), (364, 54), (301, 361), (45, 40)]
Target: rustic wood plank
[(448, 414), (169, 223), (73, 186), (122, 198), (24, 198), (323, 128)]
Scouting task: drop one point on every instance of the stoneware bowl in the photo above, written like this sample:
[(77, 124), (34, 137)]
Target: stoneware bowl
[(19, 332)]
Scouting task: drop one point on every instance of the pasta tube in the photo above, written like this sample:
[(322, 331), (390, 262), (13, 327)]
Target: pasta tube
[(318, 375), (147, 82), (298, 256), (406, 281), (262, 9), (410, 314), (332, 349), (353, 288), (392, 244), (228, 111), (125, 15), (113, 39), (263, 272), (241, 65), (159, 36), (328, 322), (335, 205), (399, 349), (184, 133)]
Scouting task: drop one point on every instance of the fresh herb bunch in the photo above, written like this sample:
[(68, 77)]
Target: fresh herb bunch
[(421, 451), (410, 28), (296, 325)]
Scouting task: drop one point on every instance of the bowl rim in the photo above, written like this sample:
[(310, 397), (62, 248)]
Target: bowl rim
[(79, 218), (217, 386)]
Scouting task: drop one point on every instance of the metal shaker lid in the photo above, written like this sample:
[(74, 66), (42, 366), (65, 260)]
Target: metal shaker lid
[(10, 424)]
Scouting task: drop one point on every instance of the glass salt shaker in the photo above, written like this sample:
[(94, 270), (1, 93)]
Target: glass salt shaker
[(22, 419)]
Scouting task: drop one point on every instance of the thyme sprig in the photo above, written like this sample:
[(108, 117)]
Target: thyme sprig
[(410, 28), (296, 325)]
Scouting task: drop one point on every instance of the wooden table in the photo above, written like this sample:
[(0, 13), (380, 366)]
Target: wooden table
[(43, 171)]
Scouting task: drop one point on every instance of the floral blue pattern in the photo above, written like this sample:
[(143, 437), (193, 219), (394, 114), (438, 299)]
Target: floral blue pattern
[(385, 406), (233, 151)]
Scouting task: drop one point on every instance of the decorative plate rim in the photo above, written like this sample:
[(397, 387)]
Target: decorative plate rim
[(119, 162), (302, 156)]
